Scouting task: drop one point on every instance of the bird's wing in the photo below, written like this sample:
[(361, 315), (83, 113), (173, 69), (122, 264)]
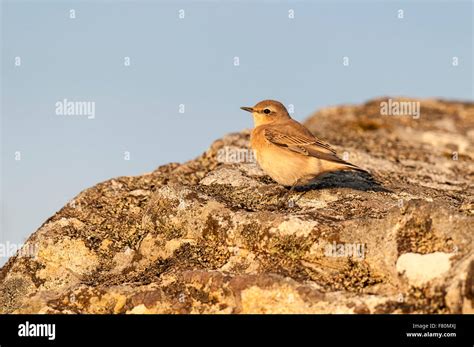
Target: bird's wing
[(303, 142), (295, 134)]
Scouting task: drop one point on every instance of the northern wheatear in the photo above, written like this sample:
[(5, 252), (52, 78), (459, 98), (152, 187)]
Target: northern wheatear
[(286, 150)]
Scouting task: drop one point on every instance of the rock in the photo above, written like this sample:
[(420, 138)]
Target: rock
[(213, 236), (422, 268)]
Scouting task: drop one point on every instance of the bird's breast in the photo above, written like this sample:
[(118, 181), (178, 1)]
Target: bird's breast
[(280, 164)]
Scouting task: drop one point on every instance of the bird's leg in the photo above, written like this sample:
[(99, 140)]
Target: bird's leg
[(285, 199)]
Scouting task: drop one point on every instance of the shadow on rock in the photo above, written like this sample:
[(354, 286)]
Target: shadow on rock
[(347, 179)]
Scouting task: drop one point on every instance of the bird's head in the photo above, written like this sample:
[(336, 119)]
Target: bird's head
[(267, 111)]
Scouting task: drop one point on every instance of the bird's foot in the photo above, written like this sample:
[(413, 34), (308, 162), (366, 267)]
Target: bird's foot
[(286, 201)]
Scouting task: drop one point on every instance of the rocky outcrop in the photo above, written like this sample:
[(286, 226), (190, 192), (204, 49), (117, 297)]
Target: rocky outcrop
[(215, 235)]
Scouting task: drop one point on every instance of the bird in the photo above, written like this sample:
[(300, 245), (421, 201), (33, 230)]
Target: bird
[(287, 151)]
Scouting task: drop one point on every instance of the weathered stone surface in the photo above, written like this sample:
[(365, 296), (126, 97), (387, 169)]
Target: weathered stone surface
[(420, 269), (209, 236)]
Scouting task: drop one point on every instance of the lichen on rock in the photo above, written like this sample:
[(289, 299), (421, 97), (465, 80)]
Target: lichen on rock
[(212, 236)]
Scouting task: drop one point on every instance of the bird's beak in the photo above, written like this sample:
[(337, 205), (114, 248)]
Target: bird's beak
[(248, 109)]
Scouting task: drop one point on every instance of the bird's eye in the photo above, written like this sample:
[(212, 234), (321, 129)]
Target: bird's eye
[(266, 111)]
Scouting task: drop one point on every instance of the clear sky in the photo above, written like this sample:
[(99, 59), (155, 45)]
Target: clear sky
[(190, 61)]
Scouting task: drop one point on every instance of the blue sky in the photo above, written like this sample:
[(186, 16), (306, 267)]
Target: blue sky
[(190, 61)]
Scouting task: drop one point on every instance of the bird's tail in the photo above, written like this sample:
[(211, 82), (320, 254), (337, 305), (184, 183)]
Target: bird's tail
[(349, 166)]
